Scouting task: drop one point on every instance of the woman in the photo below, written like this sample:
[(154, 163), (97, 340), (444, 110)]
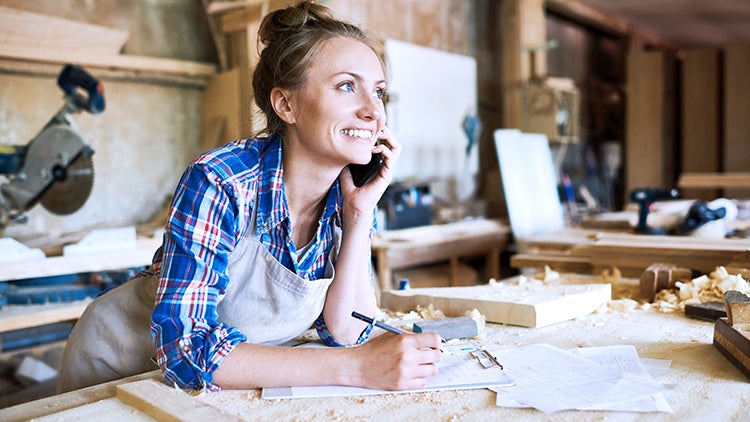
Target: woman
[(269, 235)]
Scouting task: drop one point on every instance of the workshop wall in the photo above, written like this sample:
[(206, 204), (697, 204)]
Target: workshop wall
[(149, 130)]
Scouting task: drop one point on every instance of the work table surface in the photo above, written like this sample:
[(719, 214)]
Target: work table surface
[(700, 384)]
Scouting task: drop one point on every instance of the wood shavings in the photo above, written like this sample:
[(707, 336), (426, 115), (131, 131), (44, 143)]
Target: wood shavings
[(549, 275), (611, 276), (706, 288)]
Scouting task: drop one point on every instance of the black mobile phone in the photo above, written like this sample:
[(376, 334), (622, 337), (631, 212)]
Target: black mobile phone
[(362, 173)]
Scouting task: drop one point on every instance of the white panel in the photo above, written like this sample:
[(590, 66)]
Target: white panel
[(431, 93), (529, 182)]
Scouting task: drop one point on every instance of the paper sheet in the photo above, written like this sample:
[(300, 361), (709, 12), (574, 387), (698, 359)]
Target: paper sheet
[(457, 370), (552, 379)]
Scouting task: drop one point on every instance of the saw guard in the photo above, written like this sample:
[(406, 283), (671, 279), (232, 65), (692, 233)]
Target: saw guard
[(47, 159)]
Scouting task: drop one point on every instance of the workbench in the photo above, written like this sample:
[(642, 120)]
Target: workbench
[(591, 251), (700, 384), (399, 249)]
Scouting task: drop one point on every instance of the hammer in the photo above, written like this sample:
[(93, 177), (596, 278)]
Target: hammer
[(660, 276)]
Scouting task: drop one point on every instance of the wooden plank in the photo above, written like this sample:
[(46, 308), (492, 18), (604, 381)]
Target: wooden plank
[(252, 13), (700, 118), (530, 304), (645, 154), (221, 100), (736, 111), (733, 344), (34, 30), (14, 317), (58, 403), (712, 180), (120, 61), (165, 403), (141, 255)]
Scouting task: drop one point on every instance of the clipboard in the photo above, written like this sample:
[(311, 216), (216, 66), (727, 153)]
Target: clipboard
[(459, 369)]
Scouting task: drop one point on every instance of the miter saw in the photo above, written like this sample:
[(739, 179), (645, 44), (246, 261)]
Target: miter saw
[(55, 169)]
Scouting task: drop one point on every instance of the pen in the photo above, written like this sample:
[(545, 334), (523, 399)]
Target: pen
[(378, 324)]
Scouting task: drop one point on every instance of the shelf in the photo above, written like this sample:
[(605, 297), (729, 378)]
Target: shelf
[(14, 317)]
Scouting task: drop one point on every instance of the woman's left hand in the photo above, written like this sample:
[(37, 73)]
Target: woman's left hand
[(363, 199)]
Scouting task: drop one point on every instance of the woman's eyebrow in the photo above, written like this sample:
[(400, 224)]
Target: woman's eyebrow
[(359, 77)]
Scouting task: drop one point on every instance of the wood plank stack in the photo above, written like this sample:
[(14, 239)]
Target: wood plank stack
[(31, 42)]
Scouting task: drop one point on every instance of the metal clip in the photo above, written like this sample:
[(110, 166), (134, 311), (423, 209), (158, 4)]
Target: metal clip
[(485, 359)]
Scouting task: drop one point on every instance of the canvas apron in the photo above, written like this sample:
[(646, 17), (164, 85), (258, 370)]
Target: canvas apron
[(264, 300)]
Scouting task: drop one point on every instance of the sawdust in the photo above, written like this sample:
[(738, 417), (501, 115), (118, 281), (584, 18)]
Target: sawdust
[(706, 288)]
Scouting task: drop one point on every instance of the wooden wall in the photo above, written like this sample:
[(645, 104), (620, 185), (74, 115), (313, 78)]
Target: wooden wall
[(716, 105)]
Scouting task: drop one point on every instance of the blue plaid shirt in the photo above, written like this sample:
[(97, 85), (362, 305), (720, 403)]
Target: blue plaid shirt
[(211, 212)]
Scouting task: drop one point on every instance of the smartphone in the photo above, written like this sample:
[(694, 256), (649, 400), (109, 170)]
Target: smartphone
[(362, 173)]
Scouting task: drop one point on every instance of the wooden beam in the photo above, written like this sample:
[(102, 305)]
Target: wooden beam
[(606, 22), (736, 154), (709, 180), (115, 61), (252, 13), (700, 117), (644, 143)]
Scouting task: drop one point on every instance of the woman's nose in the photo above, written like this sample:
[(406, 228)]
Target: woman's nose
[(371, 108)]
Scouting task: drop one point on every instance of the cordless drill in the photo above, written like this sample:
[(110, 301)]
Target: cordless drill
[(645, 198)]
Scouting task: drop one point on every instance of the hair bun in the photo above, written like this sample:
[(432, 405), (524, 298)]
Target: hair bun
[(277, 24)]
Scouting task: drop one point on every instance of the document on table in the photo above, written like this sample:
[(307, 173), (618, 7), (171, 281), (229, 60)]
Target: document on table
[(552, 379), (457, 370)]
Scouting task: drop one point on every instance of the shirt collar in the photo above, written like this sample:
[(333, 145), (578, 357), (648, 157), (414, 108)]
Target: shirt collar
[(272, 206)]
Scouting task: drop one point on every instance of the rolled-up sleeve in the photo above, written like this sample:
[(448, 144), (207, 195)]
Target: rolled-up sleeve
[(201, 231)]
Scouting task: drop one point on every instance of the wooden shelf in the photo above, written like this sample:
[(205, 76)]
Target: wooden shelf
[(15, 317), (96, 261)]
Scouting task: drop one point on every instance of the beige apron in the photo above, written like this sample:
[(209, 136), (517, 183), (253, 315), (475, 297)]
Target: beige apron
[(264, 300)]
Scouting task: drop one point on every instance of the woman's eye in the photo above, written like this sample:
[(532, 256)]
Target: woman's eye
[(347, 86), (380, 93)]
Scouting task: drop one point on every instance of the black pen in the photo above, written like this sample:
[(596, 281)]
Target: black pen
[(377, 323)]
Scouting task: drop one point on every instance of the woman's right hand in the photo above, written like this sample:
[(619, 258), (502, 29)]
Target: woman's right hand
[(398, 361)]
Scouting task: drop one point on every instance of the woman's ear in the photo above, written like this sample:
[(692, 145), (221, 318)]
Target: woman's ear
[(281, 104)]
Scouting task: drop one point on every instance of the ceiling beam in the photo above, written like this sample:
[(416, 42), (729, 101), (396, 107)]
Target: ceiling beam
[(577, 11)]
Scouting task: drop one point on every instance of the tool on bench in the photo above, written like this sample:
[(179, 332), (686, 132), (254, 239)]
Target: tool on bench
[(660, 276), (55, 169), (645, 198), (732, 334), (448, 328)]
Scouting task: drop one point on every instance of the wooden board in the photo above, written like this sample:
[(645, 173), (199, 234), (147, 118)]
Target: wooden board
[(736, 109), (28, 29), (164, 403), (733, 344), (530, 304), (700, 117)]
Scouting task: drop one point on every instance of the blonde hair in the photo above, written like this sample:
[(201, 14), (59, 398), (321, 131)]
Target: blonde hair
[(292, 37)]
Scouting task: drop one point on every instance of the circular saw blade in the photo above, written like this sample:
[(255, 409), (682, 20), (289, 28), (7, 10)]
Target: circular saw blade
[(71, 187)]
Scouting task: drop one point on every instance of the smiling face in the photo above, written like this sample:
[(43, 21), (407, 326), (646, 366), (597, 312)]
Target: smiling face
[(338, 112)]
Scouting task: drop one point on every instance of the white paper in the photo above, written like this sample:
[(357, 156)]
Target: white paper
[(552, 379), (457, 370)]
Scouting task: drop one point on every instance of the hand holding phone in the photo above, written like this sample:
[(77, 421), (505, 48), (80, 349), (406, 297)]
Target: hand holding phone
[(362, 173)]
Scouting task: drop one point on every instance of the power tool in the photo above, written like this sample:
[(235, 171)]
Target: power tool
[(645, 198), (55, 168)]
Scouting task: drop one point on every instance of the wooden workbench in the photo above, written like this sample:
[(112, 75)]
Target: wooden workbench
[(591, 251), (700, 384), (398, 249)]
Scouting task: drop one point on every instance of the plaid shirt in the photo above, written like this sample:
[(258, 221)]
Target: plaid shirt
[(211, 212)]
